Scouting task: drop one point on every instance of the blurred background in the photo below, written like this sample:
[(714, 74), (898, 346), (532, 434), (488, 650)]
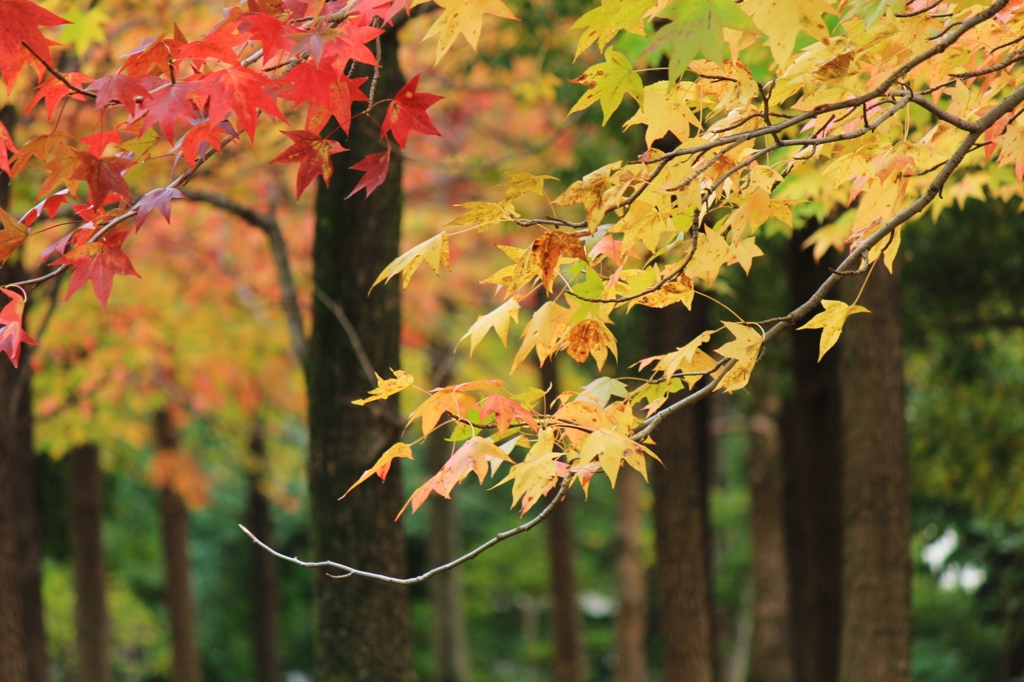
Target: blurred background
[(180, 413)]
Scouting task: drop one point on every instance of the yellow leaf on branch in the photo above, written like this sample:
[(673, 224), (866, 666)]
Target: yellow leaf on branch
[(383, 464), (434, 251), (499, 319), (465, 17), (387, 387), (831, 323), (744, 350), (609, 82)]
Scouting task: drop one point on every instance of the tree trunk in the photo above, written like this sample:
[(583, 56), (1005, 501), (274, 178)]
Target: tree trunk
[(86, 494), (22, 641), (178, 594), (265, 583), (876, 490), (812, 464), (680, 516), (450, 643), (631, 621), (771, 650), (362, 626), (569, 662)]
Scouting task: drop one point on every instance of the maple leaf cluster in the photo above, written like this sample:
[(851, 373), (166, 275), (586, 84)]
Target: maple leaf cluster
[(187, 99)]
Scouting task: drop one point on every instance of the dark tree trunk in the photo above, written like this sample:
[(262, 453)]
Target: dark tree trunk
[(812, 457), (22, 640), (569, 664), (362, 626), (265, 582), (92, 639), (680, 516), (450, 643), (178, 593), (876, 490), (771, 653), (631, 621)]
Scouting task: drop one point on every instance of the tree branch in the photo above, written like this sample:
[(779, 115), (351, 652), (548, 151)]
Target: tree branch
[(348, 571), (350, 332)]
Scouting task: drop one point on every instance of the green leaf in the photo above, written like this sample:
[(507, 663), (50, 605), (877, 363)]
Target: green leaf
[(697, 26)]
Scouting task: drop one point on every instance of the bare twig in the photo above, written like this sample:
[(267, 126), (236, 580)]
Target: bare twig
[(347, 571)]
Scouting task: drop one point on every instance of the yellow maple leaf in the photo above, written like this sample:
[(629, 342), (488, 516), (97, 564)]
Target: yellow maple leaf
[(500, 318), (387, 387), (591, 337), (590, 192), (483, 213), (434, 251), (536, 474), (744, 253), (666, 109), (383, 464), (831, 323), (604, 22), (712, 253), (781, 21), (609, 82), (611, 449), (521, 183), (743, 349), (465, 17)]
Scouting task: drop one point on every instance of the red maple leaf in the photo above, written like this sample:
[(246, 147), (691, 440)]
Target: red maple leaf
[(375, 167), (168, 105), (103, 175), (155, 55), (98, 261), (313, 154), (6, 147), (217, 45), (19, 23), (268, 31), (506, 410), (408, 112), (199, 139), (118, 88), (54, 90), (13, 334), (240, 91)]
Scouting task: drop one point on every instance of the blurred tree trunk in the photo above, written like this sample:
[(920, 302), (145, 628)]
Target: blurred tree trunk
[(569, 664), (876, 489), (771, 651), (174, 519), (265, 582), (22, 640), (812, 458), (92, 633), (680, 516), (361, 629), (450, 643), (631, 621)]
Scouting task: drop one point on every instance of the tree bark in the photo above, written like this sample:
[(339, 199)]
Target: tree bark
[(812, 463), (361, 627), (631, 621), (876, 490), (680, 516), (450, 642), (771, 652), (265, 581), (22, 640), (178, 593), (569, 664), (86, 494)]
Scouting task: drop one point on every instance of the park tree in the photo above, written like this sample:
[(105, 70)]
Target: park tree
[(838, 122)]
